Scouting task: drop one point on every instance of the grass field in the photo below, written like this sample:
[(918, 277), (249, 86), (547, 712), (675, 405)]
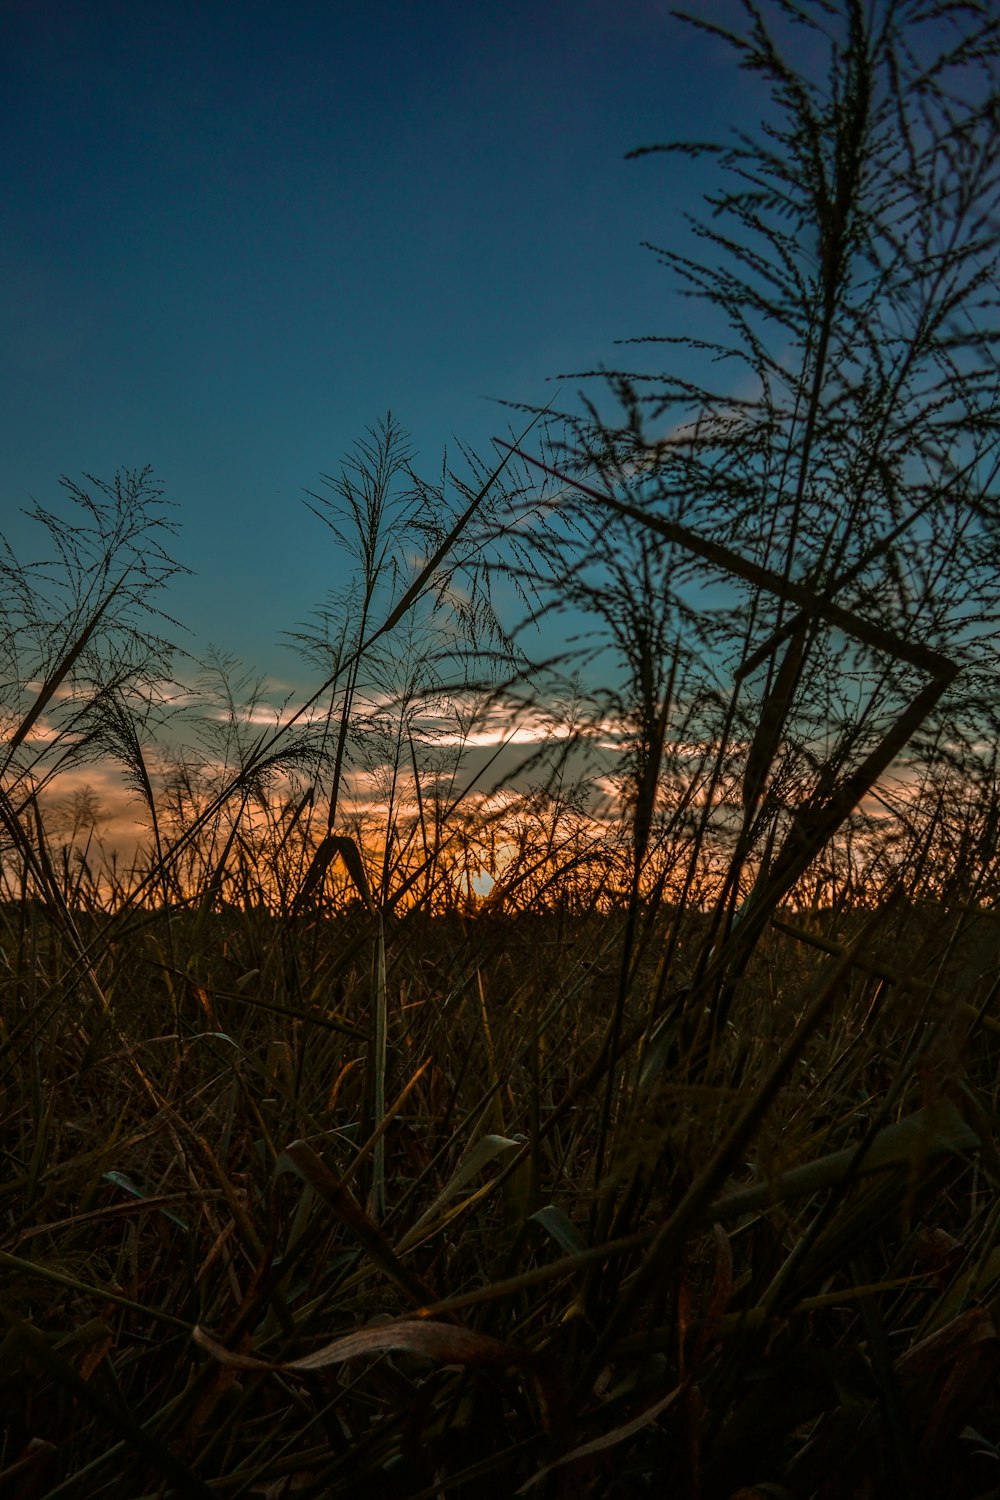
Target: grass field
[(397, 1119), (224, 1271)]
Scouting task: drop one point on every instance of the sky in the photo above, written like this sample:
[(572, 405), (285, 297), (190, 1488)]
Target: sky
[(232, 237)]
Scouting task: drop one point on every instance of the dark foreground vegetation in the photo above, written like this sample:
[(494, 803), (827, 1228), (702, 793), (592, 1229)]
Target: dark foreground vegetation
[(397, 1123)]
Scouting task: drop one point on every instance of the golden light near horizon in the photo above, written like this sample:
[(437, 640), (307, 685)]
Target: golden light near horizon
[(502, 853)]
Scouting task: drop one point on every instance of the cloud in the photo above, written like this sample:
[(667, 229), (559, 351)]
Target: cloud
[(122, 821)]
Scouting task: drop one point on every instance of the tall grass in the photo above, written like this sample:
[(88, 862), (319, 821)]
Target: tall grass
[(670, 1161)]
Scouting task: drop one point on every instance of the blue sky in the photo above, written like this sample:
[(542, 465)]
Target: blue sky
[(232, 237)]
